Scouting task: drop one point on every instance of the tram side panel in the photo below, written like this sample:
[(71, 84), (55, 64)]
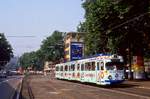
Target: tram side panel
[(92, 70)]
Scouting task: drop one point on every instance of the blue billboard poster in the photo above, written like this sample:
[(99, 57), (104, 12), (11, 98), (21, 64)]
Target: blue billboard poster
[(76, 50)]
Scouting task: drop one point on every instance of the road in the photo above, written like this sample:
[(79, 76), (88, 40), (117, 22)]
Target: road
[(46, 88), (8, 86)]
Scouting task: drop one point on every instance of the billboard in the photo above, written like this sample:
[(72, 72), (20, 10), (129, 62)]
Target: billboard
[(76, 50)]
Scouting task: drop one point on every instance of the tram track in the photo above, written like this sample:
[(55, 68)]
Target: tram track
[(128, 90), (43, 88)]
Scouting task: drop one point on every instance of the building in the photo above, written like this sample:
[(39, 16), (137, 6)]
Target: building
[(49, 68), (73, 46)]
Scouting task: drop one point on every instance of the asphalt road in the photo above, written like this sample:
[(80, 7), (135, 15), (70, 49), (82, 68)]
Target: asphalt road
[(8, 86), (46, 88)]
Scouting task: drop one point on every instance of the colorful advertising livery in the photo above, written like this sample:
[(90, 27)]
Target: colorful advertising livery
[(100, 69)]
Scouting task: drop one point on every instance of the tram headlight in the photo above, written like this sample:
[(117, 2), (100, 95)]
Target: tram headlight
[(110, 77)]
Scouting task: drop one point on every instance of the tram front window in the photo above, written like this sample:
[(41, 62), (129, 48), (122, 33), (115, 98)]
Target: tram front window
[(114, 66)]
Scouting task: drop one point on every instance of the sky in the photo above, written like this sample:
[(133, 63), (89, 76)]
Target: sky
[(37, 19)]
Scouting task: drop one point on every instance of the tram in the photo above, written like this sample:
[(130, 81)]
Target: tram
[(100, 69)]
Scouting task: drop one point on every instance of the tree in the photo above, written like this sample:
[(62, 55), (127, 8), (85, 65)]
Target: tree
[(52, 47), (5, 50), (96, 38), (113, 23), (118, 25), (51, 50), (32, 59)]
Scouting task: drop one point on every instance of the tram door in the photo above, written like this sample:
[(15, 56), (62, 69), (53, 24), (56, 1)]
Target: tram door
[(99, 71)]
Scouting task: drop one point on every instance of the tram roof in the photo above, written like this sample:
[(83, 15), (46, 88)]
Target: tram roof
[(94, 56)]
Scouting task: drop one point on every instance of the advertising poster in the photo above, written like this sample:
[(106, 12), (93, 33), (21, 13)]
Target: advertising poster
[(76, 50)]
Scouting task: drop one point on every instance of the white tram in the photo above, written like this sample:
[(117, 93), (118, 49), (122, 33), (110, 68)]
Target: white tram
[(101, 69)]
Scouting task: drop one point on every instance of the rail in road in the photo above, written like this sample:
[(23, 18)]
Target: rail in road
[(47, 88), (26, 91), (122, 91)]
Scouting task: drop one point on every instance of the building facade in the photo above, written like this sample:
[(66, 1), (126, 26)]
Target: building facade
[(74, 46)]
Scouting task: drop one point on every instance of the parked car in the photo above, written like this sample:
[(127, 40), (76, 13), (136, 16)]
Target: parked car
[(3, 74)]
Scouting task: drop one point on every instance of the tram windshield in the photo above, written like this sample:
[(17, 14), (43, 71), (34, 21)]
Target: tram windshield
[(114, 66)]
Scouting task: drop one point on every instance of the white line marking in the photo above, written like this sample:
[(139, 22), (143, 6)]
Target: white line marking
[(54, 92), (19, 91), (4, 81), (65, 89), (142, 87)]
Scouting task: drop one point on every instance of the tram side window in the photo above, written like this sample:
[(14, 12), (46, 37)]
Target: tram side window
[(97, 65), (72, 67), (57, 68), (66, 68), (93, 66), (61, 68), (69, 68), (102, 65), (78, 67), (88, 66), (82, 67)]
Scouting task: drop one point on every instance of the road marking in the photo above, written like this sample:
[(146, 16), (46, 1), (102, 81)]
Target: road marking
[(9, 80), (4, 81), (54, 93), (19, 90), (65, 89), (142, 87)]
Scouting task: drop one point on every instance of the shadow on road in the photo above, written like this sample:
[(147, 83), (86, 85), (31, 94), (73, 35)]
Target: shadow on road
[(123, 85)]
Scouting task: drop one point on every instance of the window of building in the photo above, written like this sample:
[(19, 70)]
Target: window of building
[(66, 45), (73, 35), (67, 52)]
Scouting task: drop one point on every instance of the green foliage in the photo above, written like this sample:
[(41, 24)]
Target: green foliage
[(51, 50), (31, 59), (116, 25), (52, 46), (5, 50)]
